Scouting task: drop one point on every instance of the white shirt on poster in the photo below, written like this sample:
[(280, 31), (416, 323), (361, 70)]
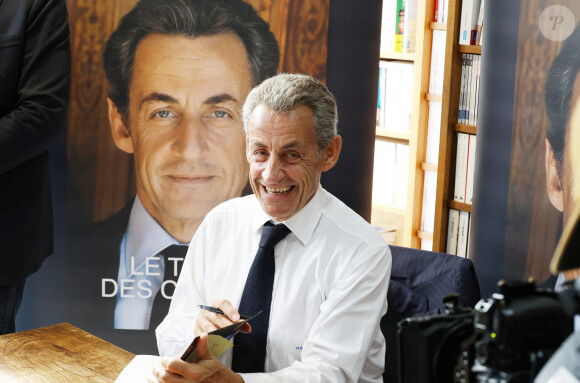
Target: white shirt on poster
[(329, 293), (140, 269)]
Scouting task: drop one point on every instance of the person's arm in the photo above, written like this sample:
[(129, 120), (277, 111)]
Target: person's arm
[(43, 86), (340, 340), (185, 319), (207, 369), (177, 330)]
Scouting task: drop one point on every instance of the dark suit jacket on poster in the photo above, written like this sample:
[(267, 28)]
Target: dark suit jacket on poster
[(34, 90), (93, 253)]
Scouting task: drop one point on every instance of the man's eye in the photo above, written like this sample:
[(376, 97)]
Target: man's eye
[(260, 154), (292, 156), (221, 114), (163, 114)]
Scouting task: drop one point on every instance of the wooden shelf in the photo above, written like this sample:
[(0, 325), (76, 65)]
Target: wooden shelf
[(475, 49), (449, 126), (460, 206), (428, 167), (433, 97), (462, 128), (424, 235), (398, 56), (438, 26), (408, 220), (393, 136)]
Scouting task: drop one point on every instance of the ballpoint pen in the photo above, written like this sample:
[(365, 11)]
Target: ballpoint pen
[(215, 310)]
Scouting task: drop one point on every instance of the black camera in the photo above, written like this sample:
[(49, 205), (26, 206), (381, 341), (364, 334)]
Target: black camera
[(506, 338)]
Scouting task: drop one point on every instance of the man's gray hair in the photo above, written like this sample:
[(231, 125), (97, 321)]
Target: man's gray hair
[(285, 92)]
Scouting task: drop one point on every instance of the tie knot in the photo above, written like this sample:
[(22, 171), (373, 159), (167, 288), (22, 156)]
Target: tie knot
[(174, 251), (272, 234)]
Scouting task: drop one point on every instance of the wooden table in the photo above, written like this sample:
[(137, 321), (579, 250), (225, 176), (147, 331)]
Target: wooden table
[(59, 353)]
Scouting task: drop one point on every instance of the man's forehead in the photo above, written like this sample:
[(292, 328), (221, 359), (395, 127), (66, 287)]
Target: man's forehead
[(202, 57)]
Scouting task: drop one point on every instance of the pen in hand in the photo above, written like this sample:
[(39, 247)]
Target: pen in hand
[(215, 310)]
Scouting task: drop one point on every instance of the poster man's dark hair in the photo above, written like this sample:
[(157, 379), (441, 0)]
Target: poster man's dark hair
[(191, 18)]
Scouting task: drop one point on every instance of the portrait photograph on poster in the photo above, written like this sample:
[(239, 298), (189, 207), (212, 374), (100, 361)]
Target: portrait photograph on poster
[(523, 185), (156, 140)]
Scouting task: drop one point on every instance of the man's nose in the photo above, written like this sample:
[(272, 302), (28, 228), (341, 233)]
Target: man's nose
[(273, 171), (191, 138)]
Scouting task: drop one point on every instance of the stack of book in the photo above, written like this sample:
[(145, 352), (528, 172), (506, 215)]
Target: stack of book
[(471, 24), (440, 14), (398, 29), (469, 89), (390, 173), (395, 95), (458, 233)]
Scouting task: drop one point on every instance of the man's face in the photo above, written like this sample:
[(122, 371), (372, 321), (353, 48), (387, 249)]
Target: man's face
[(285, 162), (185, 126)]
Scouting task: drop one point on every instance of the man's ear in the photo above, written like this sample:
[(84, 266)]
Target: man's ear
[(553, 183), (331, 153), (120, 132)]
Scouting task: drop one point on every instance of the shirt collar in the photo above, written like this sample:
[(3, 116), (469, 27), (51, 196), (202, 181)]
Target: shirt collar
[(145, 236), (303, 223)]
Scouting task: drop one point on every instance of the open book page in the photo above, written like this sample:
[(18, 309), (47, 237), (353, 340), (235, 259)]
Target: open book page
[(141, 367)]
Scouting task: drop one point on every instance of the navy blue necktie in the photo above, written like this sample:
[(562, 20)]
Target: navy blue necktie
[(250, 349), (161, 304)]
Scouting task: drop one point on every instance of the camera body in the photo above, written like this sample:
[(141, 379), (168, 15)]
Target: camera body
[(505, 338)]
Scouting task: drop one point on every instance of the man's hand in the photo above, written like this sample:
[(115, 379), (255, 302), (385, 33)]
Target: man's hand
[(207, 369), (208, 321)]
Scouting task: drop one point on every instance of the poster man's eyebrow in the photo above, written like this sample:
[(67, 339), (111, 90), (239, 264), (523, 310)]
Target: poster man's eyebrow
[(220, 98), (154, 96)]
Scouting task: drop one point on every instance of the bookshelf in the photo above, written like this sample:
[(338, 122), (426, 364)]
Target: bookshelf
[(450, 127), (407, 220)]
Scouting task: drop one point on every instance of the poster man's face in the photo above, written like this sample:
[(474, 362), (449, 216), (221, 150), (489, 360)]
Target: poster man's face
[(185, 126), (285, 162)]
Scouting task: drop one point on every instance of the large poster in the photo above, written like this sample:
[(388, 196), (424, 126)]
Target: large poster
[(170, 131), (521, 204), (93, 168)]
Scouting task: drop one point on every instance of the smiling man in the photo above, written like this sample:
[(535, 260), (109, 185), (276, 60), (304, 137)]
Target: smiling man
[(179, 72), (316, 271)]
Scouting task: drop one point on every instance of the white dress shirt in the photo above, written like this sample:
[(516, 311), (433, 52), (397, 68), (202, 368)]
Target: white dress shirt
[(140, 269), (329, 293)]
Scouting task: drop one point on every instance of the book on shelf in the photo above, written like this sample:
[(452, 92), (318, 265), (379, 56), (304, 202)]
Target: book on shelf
[(399, 25), (381, 94), (388, 26), (390, 173), (452, 231), (383, 191), (428, 209), (440, 11), (468, 21), (469, 89), (433, 132), (401, 175), (461, 166), (470, 169), (395, 96), (437, 62), (410, 30), (462, 235), (479, 28), (472, 89), (464, 167), (477, 74), (462, 88)]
